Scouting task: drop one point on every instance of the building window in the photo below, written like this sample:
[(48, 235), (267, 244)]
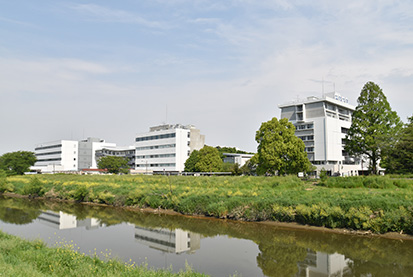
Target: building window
[(155, 137), (48, 147), (344, 130)]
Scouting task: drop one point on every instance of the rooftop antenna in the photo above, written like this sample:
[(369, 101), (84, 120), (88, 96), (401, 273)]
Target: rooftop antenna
[(334, 87)]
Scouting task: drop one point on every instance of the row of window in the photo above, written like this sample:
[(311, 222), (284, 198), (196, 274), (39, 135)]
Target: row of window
[(309, 149), (156, 165), (164, 136), (49, 160), (156, 147), (49, 153), (47, 147), (304, 126), (305, 138), (156, 156)]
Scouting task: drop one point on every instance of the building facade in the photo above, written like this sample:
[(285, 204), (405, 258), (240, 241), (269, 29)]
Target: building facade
[(68, 155), (236, 158), (55, 156), (128, 152), (87, 150), (322, 123), (165, 148)]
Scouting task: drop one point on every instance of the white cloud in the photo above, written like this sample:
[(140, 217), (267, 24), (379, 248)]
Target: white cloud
[(101, 13)]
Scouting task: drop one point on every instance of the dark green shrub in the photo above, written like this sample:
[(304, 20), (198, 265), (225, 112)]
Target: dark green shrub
[(81, 193)]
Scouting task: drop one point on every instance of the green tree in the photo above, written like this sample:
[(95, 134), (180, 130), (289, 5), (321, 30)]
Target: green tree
[(190, 163), (16, 163), (374, 126), (279, 150), (114, 164), (209, 160), (399, 159)]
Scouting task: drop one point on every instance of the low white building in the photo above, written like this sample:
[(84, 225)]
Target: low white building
[(233, 158), (322, 123), (87, 150), (55, 156), (127, 152), (166, 148)]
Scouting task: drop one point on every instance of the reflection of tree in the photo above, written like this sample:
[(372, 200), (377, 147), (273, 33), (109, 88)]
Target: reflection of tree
[(18, 216), (280, 259), (281, 249), (369, 268)]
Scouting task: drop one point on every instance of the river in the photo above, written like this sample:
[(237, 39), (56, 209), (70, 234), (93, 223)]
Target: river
[(212, 246)]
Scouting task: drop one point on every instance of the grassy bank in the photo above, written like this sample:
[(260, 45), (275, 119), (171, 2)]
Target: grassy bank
[(379, 204), (20, 257)]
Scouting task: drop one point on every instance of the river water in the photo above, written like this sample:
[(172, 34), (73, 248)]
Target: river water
[(212, 246)]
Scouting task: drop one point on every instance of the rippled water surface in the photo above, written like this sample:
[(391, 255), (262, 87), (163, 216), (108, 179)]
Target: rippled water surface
[(215, 247)]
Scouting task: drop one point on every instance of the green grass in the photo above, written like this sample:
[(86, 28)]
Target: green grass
[(20, 257), (377, 203)]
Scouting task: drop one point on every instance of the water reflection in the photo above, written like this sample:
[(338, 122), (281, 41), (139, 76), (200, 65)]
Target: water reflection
[(323, 264), (60, 220), (172, 241), (216, 247)]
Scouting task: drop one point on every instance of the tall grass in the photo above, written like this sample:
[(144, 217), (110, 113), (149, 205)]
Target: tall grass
[(376, 203)]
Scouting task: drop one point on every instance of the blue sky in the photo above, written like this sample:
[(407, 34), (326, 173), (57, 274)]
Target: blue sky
[(111, 69)]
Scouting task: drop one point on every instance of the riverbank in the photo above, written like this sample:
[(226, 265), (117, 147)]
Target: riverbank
[(366, 204), (19, 257)]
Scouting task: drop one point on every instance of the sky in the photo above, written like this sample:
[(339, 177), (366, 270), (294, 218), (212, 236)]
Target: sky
[(111, 69)]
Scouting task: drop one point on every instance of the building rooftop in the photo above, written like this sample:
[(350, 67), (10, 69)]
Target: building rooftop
[(332, 97), (170, 127)]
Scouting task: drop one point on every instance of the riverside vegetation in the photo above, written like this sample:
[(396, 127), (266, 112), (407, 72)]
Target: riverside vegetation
[(375, 203), (20, 257)]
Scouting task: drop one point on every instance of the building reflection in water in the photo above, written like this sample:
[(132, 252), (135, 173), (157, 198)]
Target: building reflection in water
[(322, 264), (61, 221), (171, 241)]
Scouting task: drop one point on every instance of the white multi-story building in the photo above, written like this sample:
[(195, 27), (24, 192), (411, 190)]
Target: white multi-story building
[(68, 155), (60, 155), (322, 123), (166, 147)]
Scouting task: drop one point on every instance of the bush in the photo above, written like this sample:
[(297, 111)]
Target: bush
[(80, 193), (5, 186), (34, 188)]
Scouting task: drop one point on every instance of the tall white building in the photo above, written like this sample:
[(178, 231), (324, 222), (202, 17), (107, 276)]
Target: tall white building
[(322, 123), (60, 155), (166, 147)]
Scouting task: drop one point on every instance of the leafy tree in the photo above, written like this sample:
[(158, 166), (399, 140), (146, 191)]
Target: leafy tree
[(209, 160), (374, 126), (279, 150), (114, 164), (16, 163), (190, 163), (400, 158)]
